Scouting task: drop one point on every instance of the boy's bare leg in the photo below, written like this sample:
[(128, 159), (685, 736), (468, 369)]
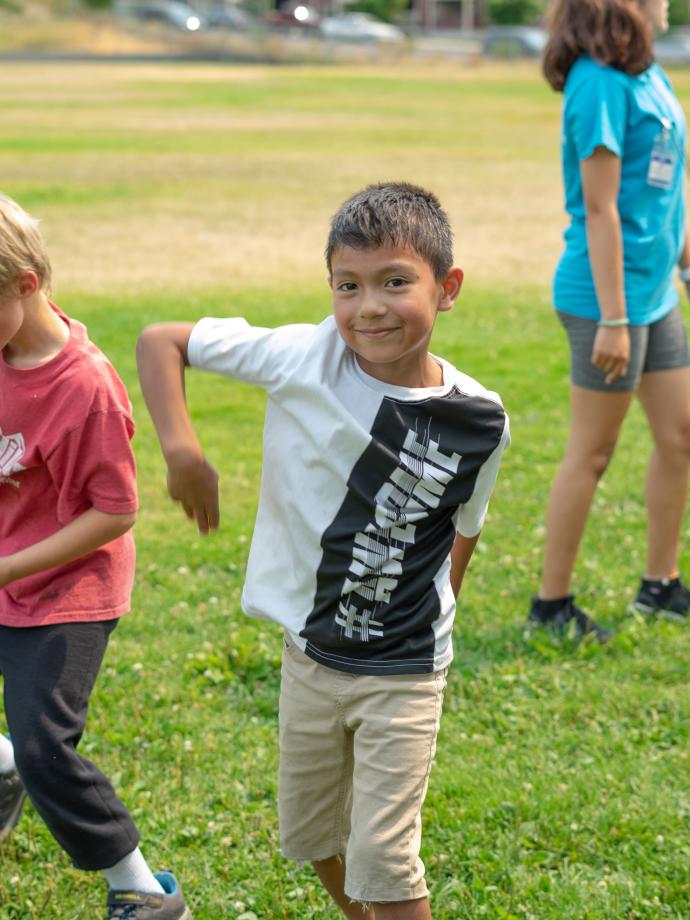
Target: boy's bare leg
[(403, 910), (332, 873)]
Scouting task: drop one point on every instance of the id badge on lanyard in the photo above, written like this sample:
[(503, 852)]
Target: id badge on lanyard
[(662, 165)]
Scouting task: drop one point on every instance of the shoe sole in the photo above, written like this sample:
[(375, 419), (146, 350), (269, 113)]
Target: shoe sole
[(13, 819), (661, 613)]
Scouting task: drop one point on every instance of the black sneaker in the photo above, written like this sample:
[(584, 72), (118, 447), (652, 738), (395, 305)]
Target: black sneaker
[(666, 597), (559, 613), (12, 795), (140, 905)]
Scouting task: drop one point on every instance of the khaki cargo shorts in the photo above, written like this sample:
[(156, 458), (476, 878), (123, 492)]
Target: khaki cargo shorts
[(355, 755)]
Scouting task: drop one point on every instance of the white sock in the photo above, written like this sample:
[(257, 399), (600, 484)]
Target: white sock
[(133, 872), (6, 755)]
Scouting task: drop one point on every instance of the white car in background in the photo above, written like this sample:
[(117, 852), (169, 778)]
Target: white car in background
[(360, 28)]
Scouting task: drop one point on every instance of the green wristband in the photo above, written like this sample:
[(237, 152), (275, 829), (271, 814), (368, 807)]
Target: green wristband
[(609, 323)]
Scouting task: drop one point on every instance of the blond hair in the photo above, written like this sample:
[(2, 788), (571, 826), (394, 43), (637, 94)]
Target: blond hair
[(21, 247)]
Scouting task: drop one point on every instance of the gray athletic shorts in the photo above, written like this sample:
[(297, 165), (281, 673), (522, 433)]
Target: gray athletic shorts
[(660, 346)]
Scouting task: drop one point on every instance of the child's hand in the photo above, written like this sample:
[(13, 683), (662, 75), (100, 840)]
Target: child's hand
[(193, 483)]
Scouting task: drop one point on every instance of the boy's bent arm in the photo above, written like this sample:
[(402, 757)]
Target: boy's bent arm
[(192, 481), (460, 556), (81, 536)]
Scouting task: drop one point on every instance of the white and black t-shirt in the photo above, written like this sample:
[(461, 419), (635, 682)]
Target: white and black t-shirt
[(363, 487)]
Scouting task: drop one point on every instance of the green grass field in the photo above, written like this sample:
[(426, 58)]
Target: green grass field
[(561, 783)]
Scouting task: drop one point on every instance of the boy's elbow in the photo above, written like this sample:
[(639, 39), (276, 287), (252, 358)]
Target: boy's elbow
[(146, 340), (122, 523), (162, 340), (129, 521)]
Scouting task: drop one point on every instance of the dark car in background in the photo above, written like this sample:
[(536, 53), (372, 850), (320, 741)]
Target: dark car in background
[(232, 18), (172, 13), (673, 48), (513, 41), (294, 17)]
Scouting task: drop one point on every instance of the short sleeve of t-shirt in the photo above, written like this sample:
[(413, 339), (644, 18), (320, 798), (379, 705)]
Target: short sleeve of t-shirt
[(596, 110), (470, 516), (93, 466), (264, 357)]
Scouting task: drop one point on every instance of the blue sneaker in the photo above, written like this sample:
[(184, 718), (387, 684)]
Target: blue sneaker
[(12, 795), (142, 905)]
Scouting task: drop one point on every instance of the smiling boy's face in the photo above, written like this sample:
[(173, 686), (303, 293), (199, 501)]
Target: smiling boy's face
[(385, 302)]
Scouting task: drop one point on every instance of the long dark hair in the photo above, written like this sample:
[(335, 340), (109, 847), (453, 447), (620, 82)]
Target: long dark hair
[(616, 32)]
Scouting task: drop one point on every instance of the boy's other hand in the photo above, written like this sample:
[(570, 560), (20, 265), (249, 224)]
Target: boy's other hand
[(193, 482)]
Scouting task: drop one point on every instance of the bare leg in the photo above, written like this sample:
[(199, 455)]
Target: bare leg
[(332, 874), (596, 420), (403, 910), (665, 398)]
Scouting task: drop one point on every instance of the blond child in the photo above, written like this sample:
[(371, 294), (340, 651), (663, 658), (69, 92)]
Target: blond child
[(67, 505)]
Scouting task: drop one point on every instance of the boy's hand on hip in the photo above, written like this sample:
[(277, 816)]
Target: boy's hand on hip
[(193, 483)]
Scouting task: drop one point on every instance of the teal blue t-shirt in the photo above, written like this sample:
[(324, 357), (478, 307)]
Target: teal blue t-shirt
[(604, 107)]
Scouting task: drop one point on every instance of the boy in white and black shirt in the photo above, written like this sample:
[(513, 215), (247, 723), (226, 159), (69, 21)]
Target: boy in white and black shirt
[(379, 460)]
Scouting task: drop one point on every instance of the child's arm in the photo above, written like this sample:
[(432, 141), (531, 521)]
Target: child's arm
[(192, 481), (460, 556), (81, 536)]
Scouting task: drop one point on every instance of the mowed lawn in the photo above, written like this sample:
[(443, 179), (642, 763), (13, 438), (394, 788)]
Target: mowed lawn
[(561, 785)]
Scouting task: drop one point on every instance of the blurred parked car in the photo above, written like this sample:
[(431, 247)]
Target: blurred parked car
[(172, 13), (673, 48), (514, 41), (294, 16), (230, 17), (360, 27)]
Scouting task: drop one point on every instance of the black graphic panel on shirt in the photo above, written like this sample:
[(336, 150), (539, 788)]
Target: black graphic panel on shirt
[(375, 601)]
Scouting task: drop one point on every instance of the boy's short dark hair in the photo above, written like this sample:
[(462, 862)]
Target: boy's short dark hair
[(398, 214)]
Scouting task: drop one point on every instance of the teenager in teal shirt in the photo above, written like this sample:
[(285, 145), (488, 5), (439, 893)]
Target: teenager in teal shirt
[(623, 151)]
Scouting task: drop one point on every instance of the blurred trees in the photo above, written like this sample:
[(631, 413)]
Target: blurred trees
[(679, 12), (514, 12), (387, 10), (527, 12)]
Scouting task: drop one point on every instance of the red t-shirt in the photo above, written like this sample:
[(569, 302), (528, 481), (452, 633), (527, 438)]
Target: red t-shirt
[(65, 433)]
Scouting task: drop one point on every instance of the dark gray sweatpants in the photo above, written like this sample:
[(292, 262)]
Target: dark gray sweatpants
[(49, 673)]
